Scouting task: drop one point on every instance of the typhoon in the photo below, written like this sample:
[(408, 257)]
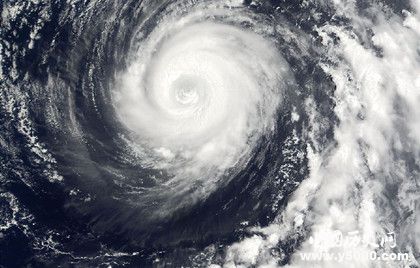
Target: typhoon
[(197, 133)]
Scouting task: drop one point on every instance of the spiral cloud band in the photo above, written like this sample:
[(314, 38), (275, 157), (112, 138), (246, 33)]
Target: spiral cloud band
[(197, 95)]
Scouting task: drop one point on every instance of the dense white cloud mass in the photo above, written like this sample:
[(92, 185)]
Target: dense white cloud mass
[(198, 95)]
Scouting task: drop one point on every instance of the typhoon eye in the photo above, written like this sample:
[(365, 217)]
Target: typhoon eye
[(188, 90)]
